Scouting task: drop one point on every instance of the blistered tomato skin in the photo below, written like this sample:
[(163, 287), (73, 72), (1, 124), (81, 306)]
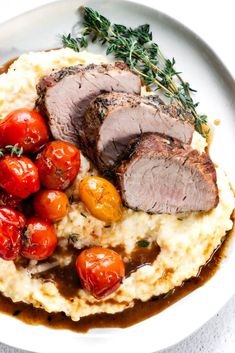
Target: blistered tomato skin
[(39, 239), (11, 228), (58, 165), (52, 205), (100, 271), (101, 198), (18, 176), (24, 127), (8, 200)]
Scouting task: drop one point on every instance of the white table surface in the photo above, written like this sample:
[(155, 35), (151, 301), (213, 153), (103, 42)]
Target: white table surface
[(214, 21)]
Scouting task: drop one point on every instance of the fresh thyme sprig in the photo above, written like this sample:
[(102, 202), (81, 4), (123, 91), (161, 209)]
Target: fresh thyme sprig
[(12, 150), (74, 43), (135, 47)]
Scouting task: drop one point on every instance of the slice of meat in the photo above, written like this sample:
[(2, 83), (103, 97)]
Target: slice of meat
[(112, 119), (162, 175), (65, 94)]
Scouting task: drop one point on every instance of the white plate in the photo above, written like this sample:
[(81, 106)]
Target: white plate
[(38, 30)]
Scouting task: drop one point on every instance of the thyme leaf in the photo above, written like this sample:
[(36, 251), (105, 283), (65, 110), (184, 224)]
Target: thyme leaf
[(143, 243), (74, 43), (73, 238), (12, 149), (135, 47)]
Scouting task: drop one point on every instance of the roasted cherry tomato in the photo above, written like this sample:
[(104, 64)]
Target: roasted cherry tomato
[(26, 128), (101, 198), (18, 176), (100, 271), (51, 204), (58, 165), (39, 239), (11, 228), (8, 200)]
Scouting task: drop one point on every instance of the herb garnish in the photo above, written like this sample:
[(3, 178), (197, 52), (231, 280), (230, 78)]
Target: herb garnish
[(71, 199), (101, 115), (12, 149), (135, 47), (73, 238), (143, 243)]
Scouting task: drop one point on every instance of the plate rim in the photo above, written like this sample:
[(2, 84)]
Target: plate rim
[(140, 4), (225, 70)]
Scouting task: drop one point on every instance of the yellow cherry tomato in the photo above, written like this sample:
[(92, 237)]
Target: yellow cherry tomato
[(101, 198)]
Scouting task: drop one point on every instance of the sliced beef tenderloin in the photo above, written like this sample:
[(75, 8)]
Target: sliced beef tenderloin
[(112, 119), (162, 175), (65, 94)]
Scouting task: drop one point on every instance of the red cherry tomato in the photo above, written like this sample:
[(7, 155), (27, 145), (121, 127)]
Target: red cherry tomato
[(39, 239), (26, 128), (100, 271), (11, 227), (9, 200), (51, 204), (58, 165), (18, 176)]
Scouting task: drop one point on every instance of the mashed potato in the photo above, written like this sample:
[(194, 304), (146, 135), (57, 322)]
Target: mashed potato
[(17, 87), (186, 242)]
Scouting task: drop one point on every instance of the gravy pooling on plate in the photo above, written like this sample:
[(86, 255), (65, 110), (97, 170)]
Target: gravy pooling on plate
[(140, 311)]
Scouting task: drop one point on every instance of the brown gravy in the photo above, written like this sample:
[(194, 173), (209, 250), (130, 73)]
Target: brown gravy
[(67, 283), (141, 256), (5, 67), (140, 311)]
